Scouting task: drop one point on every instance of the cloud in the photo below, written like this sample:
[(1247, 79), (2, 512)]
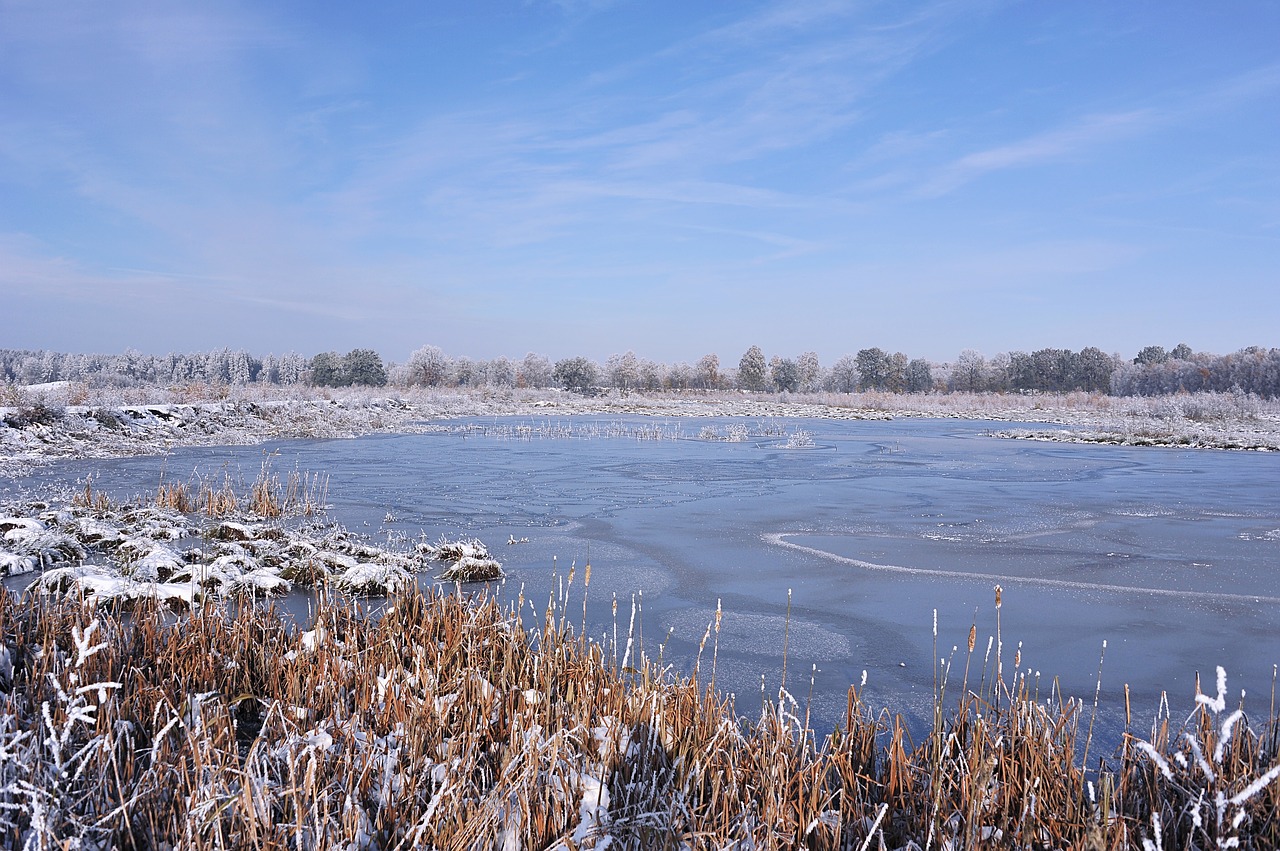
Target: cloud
[(1079, 136), (1054, 145)]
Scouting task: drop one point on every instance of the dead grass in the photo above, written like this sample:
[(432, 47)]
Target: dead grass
[(89, 498), (300, 493), (447, 722), (221, 501), (174, 495)]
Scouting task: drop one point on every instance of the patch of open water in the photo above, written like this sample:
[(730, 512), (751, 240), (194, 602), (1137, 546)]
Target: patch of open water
[(1168, 555)]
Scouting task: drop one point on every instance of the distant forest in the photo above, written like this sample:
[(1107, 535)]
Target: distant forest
[(1155, 371)]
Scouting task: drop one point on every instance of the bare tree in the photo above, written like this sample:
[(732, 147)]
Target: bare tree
[(843, 377)]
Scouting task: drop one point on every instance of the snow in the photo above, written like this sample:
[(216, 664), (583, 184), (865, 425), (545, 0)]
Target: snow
[(469, 569), (101, 584), (128, 553), (371, 578), (12, 564), (158, 563)]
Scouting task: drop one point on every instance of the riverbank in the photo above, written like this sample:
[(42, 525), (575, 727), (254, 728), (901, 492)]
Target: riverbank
[(36, 429)]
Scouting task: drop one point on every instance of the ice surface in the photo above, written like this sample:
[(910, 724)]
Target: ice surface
[(1168, 553)]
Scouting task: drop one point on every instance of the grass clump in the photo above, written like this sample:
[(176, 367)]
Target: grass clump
[(471, 561), (300, 493)]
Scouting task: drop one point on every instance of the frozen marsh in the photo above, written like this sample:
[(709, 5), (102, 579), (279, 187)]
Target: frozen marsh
[(837, 537)]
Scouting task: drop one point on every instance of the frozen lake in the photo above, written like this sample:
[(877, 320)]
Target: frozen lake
[(1170, 556)]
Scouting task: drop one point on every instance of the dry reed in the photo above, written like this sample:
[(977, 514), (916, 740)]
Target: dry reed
[(447, 722)]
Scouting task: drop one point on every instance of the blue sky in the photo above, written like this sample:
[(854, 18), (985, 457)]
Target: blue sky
[(674, 178)]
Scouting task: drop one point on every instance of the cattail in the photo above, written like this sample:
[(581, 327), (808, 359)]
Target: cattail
[(998, 591), (973, 637)]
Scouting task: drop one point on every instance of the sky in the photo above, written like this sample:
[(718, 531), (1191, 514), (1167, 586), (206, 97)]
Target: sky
[(588, 177)]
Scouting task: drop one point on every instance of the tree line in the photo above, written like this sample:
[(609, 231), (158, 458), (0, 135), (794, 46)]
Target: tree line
[(1154, 371)]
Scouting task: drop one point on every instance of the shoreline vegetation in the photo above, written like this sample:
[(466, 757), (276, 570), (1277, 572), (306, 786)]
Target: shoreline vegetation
[(446, 720), (153, 700), (38, 426)]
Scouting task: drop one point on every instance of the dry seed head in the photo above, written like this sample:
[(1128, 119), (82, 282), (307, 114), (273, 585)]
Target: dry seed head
[(973, 636), (998, 591)]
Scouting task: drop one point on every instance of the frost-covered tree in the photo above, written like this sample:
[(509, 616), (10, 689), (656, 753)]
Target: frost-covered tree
[(708, 372), (239, 368), (1152, 354), (896, 377), (50, 368), (873, 369), (293, 367), (501, 372), (535, 371), (217, 367), (173, 368), (680, 376), (753, 370), (784, 374), (364, 366), (464, 372), (577, 374), (652, 375), (270, 372), (843, 377), (998, 372), (810, 371), (428, 366), (919, 376), (327, 371), (623, 371), (969, 375), (1093, 370), (1181, 352)]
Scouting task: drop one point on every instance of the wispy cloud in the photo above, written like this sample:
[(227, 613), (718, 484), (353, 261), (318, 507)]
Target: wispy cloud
[(1052, 146), (1078, 137)]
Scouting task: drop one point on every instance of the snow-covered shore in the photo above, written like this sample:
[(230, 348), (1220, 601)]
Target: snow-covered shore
[(41, 429)]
